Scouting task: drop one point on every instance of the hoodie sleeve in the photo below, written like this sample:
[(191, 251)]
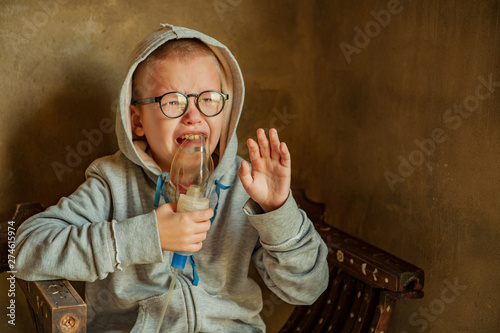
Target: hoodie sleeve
[(77, 239), (292, 256)]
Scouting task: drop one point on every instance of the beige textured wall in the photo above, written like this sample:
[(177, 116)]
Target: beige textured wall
[(356, 108)]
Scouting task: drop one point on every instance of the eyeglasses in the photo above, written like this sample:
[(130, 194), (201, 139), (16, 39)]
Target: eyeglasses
[(174, 104)]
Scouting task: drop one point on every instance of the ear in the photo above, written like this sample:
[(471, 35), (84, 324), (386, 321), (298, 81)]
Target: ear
[(136, 120)]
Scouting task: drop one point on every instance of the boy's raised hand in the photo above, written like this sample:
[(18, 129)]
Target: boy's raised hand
[(268, 183)]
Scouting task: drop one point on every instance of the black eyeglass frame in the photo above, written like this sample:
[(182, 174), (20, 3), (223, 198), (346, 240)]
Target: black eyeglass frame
[(152, 100)]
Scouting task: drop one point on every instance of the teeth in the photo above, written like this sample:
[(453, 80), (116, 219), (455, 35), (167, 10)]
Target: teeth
[(190, 136)]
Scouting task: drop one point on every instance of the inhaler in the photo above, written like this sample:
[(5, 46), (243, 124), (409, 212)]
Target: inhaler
[(188, 181), (190, 171)]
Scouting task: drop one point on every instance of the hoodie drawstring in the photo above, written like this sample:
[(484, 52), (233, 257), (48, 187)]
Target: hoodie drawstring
[(218, 187), (160, 189)]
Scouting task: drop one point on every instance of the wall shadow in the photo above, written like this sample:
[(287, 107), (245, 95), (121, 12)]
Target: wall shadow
[(58, 138)]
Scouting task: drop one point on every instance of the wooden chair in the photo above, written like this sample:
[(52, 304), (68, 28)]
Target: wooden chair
[(365, 283)]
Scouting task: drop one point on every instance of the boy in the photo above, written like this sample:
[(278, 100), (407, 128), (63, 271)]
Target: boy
[(109, 234)]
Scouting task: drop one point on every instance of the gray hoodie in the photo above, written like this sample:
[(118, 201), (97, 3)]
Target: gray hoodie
[(106, 234)]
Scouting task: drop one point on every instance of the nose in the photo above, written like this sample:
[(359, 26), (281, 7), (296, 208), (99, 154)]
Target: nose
[(192, 115)]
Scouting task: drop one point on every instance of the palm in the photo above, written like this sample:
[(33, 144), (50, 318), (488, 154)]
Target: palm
[(268, 183)]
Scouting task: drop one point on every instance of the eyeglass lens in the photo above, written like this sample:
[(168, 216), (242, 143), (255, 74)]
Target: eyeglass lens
[(209, 102)]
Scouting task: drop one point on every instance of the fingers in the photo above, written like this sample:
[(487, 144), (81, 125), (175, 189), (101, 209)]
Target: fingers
[(275, 143), (182, 231), (199, 232), (244, 173), (201, 216), (195, 232), (263, 143), (265, 148), (192, 222), (253, 150), (286, 159)]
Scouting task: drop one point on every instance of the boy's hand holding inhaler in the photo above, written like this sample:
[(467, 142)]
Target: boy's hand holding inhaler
[(182, 231), (183, 223)]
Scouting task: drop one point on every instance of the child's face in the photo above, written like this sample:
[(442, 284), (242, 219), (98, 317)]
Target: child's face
[(164, 134)]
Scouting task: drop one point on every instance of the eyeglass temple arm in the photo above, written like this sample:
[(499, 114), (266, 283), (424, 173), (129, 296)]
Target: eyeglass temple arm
[(147, 100)]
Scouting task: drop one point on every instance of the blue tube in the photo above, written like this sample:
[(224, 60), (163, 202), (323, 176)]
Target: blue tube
[(179, 259)]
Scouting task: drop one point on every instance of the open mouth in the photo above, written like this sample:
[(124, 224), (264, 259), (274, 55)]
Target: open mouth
[(185, 137)]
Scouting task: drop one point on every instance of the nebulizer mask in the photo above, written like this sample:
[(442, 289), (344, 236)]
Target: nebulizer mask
[(188, 182), (187, 185)]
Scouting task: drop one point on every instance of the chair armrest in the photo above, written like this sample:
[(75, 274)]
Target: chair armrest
[(361, 260), (56, 305), (364, 286), (23, 212), (372, 265)]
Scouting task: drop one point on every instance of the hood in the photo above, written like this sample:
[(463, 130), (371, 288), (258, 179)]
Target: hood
[(134, 149)]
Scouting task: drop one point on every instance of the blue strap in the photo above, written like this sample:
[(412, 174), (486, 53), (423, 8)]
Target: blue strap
[(196, 278), (160, 189), (218, 187)]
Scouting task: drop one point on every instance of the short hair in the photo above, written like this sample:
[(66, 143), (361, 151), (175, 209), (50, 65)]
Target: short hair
[(186, 48)]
